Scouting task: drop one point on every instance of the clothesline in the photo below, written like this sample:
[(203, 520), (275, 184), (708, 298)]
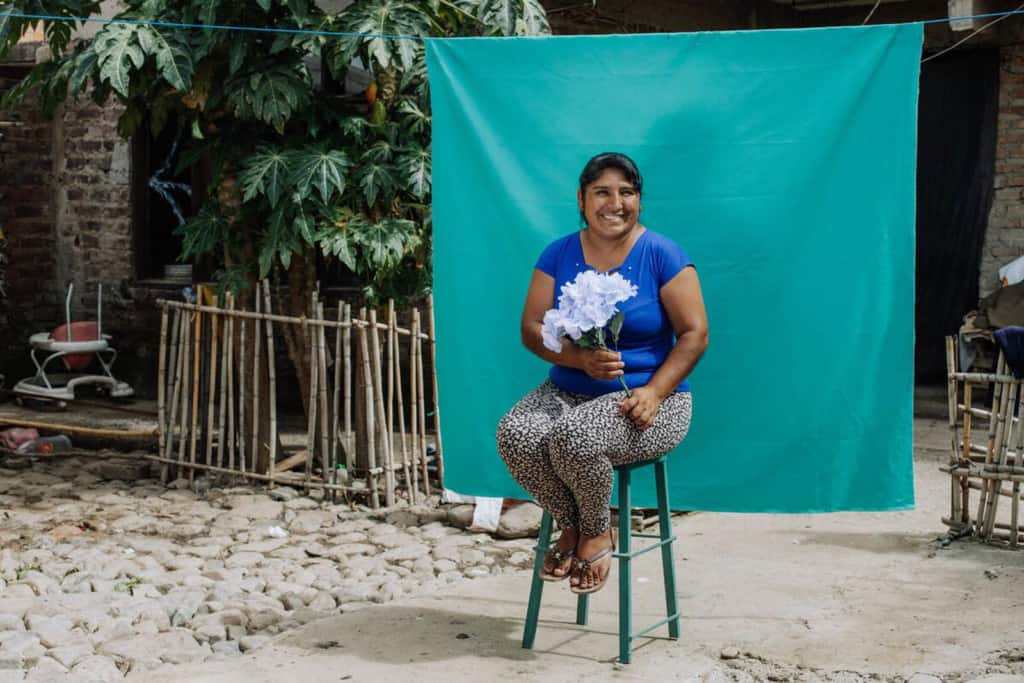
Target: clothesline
[(346, 34)]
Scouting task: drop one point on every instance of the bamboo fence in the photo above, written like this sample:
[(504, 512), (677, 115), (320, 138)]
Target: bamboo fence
[(986, 446), (219, 407)]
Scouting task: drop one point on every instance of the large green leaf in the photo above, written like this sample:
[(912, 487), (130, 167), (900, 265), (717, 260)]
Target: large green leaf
[(85, 63), (378, 18), (384, 242), (509, 17), (118, 52), (173, 59), (266, 172), (270, 95), (413, 118), (377, 181), (415, 166), (336, 239), (202, 234), (319, 168)]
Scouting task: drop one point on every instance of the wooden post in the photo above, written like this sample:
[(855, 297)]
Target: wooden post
[(229, 344), (381, 418), (422, 406), (406, 470), (195, 393), (336, 395), (314, 390), (161, 380), (325, 452), (176, 369), (413, 404), (371, 455), (242, 355), (187, 328), (211, 393), (438, 450), (956, 510), (347, 343), (272, 386)]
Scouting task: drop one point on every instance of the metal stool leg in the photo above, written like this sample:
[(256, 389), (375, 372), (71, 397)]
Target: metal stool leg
[(582, 609), (625, 574), (537, 586), (667, 539)]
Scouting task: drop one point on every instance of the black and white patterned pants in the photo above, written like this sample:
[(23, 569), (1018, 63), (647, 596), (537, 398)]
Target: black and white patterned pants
[(561, 447)]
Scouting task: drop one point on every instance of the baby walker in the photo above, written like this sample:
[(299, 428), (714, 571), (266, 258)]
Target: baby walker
[(76, 344)]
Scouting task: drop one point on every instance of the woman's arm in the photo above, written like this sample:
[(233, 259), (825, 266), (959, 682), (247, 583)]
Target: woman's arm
[(539, 297), (684, 303)]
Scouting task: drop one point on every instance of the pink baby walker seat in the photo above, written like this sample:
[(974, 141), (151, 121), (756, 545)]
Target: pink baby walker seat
[(76, 344)]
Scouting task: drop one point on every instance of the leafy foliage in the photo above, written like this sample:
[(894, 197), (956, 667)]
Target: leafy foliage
[(298, 168)]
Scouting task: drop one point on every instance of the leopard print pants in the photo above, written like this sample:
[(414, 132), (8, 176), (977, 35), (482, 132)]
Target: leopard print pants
[(561, 447)]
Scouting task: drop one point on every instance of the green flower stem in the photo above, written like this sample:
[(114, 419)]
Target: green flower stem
[(629, 394)]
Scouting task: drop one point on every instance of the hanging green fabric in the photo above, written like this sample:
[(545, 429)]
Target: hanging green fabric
[(783, 162)]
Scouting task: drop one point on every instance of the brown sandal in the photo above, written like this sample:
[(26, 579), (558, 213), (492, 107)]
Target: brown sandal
[(559, 556), (581, 567)]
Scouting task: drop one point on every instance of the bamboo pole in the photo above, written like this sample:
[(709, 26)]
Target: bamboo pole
[(75, 429), (186, 364), (281, 318), (984, 502), (992, 503), (1014, 509), (371, 453), (176, 369), (314, 390), (211, 392), (195, 393), (381, 416), (242, 393), (346, 335), (161, 380), (335, 398), (390, 401), (257, 339), (272, 386), (438, 450), (422, 406), (413, 415), (229, 343), (222, 409), (413, 493), (325, 452), (262, 477), (956, 510)]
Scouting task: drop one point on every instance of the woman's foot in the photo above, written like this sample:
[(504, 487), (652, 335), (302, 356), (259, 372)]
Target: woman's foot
[(558, 561), (593, 562)]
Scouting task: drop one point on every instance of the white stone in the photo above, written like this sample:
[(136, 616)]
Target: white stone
[(309, 521), (243, 559), (252, 642), (176, 646), (410, 551), (46, 670), (11, 622), (254, 507), (323, 602), (52, 632), (71, 654), (441, 566), (226, 647), (98, 669)]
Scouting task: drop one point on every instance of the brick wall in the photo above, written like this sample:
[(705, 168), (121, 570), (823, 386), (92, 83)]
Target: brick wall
[(1004, 238), (67, 195)]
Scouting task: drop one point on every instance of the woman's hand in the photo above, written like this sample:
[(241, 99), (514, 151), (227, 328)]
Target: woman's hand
[(641, 407), (600, 364)]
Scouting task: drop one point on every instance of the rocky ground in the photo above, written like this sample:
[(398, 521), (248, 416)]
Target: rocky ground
[(101, 575)]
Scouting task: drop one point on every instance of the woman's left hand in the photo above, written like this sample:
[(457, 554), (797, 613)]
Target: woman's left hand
[(641, 407)]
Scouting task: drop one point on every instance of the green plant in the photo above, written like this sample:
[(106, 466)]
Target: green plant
[(300, 170)]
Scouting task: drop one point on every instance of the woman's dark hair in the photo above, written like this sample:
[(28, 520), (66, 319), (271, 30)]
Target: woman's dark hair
[(602, 162)]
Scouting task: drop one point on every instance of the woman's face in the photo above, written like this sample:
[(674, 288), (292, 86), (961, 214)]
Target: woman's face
[(611, 204)]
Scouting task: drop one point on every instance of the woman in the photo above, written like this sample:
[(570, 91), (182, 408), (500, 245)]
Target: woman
[(561, 441)]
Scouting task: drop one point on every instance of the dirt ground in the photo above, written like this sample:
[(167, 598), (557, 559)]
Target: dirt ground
[(837, 597)]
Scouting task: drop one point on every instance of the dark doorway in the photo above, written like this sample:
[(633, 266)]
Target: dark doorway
[(957, 117)]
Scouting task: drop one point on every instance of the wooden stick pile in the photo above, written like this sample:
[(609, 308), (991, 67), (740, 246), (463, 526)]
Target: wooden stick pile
[(218, 403), (992, 467)]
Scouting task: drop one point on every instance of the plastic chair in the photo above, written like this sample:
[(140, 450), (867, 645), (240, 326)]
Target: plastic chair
[(625, 557)]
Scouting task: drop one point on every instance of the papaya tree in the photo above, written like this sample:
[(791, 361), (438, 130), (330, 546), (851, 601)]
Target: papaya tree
[(299, 169)]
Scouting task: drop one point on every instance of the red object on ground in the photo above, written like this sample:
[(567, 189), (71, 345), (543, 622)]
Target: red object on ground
[(86, 330)]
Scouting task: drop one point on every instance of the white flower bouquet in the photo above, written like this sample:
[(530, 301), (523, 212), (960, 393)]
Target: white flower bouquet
[(588, 312)]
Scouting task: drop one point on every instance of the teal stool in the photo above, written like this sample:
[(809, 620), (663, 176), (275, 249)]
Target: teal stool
[(625, 556)]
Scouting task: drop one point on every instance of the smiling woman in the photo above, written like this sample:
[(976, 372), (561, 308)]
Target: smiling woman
[(562, 440)]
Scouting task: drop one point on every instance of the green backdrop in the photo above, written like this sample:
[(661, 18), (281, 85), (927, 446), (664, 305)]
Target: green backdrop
[(784, 164)]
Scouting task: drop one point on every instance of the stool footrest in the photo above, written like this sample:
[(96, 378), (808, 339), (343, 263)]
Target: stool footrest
[(651, 628), (645, 549)]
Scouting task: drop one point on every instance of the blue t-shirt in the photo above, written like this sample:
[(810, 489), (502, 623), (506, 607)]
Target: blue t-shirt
[(647, 336)]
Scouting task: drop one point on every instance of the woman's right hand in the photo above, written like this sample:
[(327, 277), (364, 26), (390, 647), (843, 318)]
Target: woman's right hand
[(600, 364)]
